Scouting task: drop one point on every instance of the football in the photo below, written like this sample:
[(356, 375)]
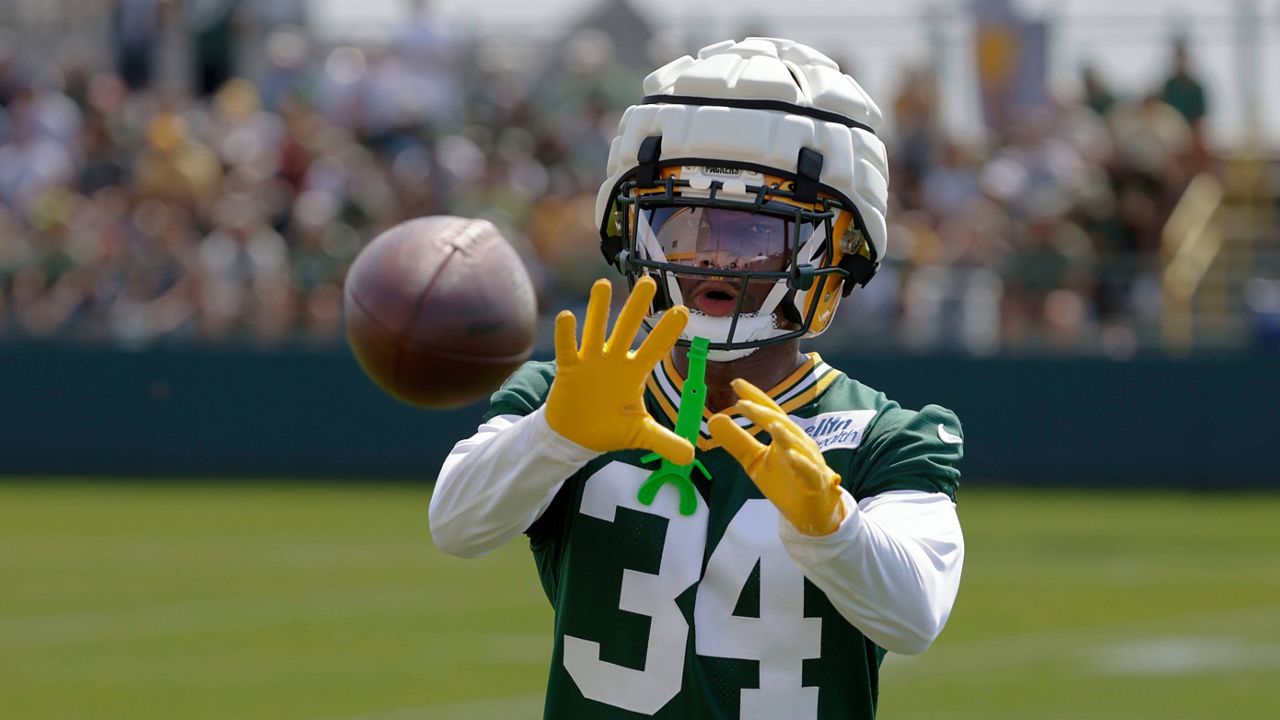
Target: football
[(439, 310)]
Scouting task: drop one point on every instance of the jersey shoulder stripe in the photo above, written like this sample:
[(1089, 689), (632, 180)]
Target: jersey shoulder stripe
[(800, 388)]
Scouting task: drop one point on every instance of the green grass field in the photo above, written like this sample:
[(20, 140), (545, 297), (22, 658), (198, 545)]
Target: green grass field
[(328, 602)]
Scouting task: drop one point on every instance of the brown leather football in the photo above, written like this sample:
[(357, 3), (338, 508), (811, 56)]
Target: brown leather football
[(440, 310)]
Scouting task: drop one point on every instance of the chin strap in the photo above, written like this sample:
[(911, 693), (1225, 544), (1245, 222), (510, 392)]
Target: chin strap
[(723, 356), (717, 329)]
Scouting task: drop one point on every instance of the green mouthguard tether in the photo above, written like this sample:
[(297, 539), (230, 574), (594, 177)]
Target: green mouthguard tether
[(693, 398)]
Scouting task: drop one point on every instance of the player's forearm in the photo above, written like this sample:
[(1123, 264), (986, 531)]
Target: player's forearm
[(496, 483), (892, 569)]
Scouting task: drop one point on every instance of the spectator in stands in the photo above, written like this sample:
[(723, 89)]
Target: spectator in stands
[(31, 161), (136, 29), (1182, 90), (134, 215), (175, 166), (1097, 96)]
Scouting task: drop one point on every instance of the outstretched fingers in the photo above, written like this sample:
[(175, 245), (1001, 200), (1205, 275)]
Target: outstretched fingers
[(786, 433), (663, 337), (759, 414), (747, 391), (628, 322), (566, 339), (737, 442), (664, 442), (593, 328), (812, 477), (764, 411)]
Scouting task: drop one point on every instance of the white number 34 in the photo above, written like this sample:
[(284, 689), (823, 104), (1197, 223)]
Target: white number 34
[(780, 639)]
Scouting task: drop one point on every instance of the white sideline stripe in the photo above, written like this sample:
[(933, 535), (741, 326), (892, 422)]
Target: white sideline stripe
[(960, 658), (158, 620), (1183, 655), (523, 706)]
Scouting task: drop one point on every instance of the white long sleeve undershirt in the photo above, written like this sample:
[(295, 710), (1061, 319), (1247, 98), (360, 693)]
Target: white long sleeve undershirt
[(496, 483), (891, 569)]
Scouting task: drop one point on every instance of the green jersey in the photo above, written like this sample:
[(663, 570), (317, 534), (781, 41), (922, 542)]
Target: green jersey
[(706, 616)]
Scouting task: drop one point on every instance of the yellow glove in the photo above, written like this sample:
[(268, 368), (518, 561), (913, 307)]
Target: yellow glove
[(790, 471), (597, 398)]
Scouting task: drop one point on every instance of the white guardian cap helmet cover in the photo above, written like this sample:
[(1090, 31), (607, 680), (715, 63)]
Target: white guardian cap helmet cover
[(763, 127)]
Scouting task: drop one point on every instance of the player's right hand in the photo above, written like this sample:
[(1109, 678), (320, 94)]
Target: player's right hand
[(597, 398)]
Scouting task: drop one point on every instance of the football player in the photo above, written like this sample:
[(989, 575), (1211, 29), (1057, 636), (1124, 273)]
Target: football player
[(746, 197)]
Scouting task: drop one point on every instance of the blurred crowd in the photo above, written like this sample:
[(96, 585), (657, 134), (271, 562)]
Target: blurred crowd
[(131, 213), (1047, 237)]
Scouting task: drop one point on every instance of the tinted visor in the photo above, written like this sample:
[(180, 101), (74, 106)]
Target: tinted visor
[(727, 239)]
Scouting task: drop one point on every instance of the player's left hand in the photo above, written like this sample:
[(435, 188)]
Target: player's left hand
[(790, 470)]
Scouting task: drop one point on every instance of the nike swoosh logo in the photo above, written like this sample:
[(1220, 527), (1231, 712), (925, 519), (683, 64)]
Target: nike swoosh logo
[(948, 437)]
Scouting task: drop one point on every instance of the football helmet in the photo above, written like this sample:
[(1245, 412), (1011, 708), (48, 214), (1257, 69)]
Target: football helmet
[(750, 184)]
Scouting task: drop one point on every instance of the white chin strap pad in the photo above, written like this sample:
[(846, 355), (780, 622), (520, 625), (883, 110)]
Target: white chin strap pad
[(729, 355), (754, 326)]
